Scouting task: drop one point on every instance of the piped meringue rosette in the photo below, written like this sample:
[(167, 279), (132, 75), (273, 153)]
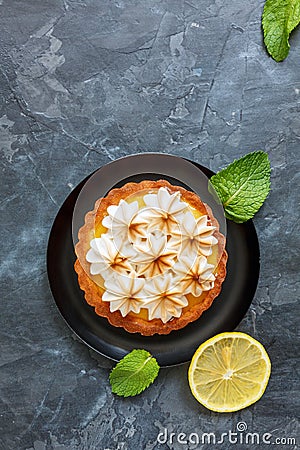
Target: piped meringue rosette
[(150, 257)]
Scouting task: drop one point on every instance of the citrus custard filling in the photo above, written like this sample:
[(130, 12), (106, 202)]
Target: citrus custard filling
[(153, 255)]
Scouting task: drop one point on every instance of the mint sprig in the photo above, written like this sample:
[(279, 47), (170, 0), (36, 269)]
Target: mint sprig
[(279, 18), (134, 373), (243, 186)]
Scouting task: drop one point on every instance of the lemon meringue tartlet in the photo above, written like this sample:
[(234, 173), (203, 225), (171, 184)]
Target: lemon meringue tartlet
[(150, 257)]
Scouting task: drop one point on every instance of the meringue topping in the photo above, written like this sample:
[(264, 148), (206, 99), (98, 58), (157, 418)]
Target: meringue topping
[(104, 255), (195, 235), (196, 278), (164, 298), (124, 223), (124, 294), (164, 210), (153, 254)]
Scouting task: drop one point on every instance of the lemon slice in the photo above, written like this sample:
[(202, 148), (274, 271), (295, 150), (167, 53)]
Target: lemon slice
[(229, 372)]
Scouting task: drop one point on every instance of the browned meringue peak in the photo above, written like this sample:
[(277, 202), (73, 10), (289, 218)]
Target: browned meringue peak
[(156, 255), (104, 256), (124, 293), (195, 276), (137, 228), (163, 298), (163, 210), (195, 234), (123, 222)]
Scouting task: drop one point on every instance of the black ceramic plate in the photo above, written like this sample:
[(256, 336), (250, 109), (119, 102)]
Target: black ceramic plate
[(179, 346)]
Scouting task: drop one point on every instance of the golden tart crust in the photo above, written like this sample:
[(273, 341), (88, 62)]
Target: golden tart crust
[(136, 323)]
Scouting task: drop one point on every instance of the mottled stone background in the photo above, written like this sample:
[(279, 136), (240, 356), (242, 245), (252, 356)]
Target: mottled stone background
[(84, 82)]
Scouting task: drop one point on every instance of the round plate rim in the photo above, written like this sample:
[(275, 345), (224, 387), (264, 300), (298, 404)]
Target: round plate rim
[(78, 187)]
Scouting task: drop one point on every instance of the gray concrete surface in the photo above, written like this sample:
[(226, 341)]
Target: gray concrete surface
[(83, 83)]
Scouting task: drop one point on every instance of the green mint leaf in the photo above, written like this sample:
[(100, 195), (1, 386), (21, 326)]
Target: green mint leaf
[(134, 373), (243, 186), (279, 18)]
